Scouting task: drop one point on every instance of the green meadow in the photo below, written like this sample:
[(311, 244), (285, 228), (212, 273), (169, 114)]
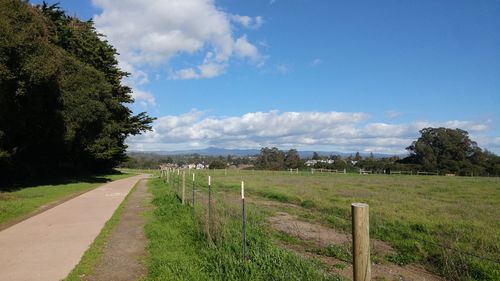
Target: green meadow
[(449, 225)]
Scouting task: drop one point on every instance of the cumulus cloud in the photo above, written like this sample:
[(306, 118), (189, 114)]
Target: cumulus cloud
[(149, 33), (144, 98), (343, 131), (248, 22)]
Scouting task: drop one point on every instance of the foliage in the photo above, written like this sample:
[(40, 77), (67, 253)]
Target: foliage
[(62, 102), (292, 159), (217, 164), (275, 159), (450, 151)]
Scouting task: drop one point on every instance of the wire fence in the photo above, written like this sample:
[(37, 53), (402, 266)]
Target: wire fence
[(203, 200)]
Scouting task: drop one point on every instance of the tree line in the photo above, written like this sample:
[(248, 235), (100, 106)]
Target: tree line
[(437, 150), (62, 103)]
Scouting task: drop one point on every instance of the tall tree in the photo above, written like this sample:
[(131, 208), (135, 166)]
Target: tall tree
[(270, 158), (62, 102), (357, 157), (449, 150), (292, 159)]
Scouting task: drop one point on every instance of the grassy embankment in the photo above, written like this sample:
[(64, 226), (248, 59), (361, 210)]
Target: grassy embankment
[(181, 249), (448, 224), (22, 202)]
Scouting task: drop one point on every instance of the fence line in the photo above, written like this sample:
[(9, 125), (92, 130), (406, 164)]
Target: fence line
[(210, 226)]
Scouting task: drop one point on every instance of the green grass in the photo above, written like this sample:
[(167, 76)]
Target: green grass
[(15, 205), (334, 251), (180, 248), (440, 222), (94, 253)]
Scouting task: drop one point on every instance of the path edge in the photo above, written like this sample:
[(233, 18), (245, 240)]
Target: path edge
[(93, 255), (51, 205)]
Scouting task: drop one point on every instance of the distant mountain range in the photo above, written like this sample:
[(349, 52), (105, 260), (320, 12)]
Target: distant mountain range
[(216, 151)]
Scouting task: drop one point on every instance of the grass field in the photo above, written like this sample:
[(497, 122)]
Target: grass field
[(448, 224), (181, 250), (17, 204)]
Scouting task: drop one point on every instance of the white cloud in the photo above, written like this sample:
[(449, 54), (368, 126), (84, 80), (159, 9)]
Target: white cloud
[(144, 98), (393, 114), (468, 125), (245, 49), (208, 70), (248, 22), (282, 68), (343, 131), (316, 62), (149, 33)]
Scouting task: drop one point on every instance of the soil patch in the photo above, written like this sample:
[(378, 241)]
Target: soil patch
[(125, 249), (322, 236)]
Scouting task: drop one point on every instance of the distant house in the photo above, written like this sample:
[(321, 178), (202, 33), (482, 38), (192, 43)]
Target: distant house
[(200, 167), (310, 163), (165, 166)]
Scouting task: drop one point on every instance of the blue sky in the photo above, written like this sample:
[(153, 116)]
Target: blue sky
[(323, 75)]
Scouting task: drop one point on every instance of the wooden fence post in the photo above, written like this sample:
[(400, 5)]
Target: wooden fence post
[(360, 242)]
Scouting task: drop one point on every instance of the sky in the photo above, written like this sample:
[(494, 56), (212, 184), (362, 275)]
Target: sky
[(319, 75)]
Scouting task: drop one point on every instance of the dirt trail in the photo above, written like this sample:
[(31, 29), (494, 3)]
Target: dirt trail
[(125, 247), (321, 236)]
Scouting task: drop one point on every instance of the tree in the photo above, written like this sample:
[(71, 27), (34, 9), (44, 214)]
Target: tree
[(217, 164), (449, 150), (62, 103), (292, 159), (357, 157), (270, 158), (315, 156)]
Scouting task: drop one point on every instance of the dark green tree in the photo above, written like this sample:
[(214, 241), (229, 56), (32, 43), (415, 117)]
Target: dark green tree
[(292, 159), (217, 164), (357, 157), (448, 150), (63, 107), (315, 156), (270, 158)]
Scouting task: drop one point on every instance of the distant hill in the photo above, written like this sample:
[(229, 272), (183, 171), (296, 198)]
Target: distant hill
[(211, 151), (216, 151)]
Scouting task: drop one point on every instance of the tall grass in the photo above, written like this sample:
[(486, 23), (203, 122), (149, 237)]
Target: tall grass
[(182, 249), (448, 224)]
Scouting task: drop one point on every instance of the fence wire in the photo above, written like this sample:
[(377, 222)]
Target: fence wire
[(175, 182)]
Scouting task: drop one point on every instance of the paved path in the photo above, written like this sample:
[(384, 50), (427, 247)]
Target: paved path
[(126, 245), (47, 247)]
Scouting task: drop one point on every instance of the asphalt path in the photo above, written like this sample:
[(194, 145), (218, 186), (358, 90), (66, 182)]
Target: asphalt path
[(46, 247)]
